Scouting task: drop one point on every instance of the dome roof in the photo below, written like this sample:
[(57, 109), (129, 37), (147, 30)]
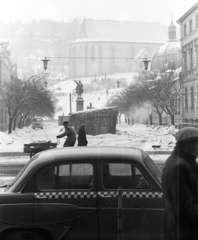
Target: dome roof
[(167, 56)]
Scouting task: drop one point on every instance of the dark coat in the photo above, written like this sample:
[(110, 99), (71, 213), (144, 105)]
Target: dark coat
[(82, 138), (71, 137), (180, 187)]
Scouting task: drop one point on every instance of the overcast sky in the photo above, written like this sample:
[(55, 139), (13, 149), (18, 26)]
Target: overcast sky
[(64, 10)]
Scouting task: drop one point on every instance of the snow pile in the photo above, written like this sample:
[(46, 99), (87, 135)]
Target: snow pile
[(5, 139)]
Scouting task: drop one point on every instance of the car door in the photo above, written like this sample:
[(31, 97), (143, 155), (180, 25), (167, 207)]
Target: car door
[(142, 203), (65, 193)]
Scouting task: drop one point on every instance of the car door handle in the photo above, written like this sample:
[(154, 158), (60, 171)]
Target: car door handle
[(105, 196), (40, 197)]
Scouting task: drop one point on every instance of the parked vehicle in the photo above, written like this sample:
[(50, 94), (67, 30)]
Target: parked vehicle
[(74, 191), (37, 123)]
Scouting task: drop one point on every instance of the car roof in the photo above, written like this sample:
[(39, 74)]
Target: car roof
[(58, 155), (71, 153)]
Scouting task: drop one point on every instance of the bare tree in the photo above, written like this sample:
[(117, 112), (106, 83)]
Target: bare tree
[(23, 98)]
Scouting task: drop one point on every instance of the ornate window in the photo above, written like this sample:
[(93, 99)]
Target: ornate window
[(192, 97), (190, 58), (186, 98), (190, 26), (185, 30)]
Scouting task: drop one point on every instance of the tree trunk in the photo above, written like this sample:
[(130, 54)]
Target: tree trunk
[(119, 118), (20, 122), (151, 119), (14, 123), (172, 117), (10, 125), (132, 121), (160, 119), (23, 122)]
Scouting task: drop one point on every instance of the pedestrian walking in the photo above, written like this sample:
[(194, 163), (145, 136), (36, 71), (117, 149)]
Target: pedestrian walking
[(180, 187), (65, 124), (82, 138), (69, 133)]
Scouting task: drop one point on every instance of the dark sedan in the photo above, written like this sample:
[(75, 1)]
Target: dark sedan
[(72, 193)]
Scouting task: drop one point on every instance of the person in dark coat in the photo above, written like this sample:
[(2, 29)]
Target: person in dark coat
[(71, 136), (82, 138), (180, 187)]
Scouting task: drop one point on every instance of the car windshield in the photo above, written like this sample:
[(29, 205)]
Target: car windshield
[(156, 171), (9, 184)]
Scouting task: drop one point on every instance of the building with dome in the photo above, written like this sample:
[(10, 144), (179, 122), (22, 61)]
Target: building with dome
[(166, 61), (168, 56)]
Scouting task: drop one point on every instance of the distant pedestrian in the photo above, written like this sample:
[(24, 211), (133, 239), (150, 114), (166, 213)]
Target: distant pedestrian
[(82, 138), (180, 187), (70, 133)]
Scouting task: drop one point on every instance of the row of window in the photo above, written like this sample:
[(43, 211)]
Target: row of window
[(190, 26), (189, 59), (80, 176), (190, 92), (92, 53)]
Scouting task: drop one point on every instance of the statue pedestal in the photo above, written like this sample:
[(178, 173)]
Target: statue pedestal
[(79, 104)]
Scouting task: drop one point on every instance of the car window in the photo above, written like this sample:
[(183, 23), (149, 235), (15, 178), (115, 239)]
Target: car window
[(67, 176), (155, 170), (124, 175), (140, 180)]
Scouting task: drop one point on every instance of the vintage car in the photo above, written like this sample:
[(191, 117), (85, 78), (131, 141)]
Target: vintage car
[(84, 193), (37, 123)]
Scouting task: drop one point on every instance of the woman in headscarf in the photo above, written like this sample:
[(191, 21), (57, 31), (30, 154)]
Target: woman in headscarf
[(82, 139)]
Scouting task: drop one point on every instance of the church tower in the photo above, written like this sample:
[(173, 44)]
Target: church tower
[(172, 32)]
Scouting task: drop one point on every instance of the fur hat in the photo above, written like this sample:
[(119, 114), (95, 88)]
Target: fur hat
[(187, 133), (65, 122)]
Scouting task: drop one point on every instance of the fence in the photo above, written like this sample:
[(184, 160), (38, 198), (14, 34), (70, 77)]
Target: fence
[(97, 121)]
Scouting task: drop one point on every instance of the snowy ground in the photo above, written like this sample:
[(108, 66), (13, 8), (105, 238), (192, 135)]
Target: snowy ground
[(138, 135)]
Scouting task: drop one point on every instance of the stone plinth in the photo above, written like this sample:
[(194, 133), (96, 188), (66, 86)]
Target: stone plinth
[(79, 104)]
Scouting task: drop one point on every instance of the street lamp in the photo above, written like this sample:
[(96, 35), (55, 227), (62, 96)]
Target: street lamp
[(118, 83), (46, 83), (146, 62), (45, 62)]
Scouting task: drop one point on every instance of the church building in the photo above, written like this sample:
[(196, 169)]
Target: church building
[(107, 46)]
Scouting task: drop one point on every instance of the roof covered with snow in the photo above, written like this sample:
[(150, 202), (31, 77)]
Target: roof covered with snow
[(119, 31)]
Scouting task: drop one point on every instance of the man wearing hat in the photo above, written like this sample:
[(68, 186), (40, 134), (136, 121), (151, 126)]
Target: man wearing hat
[(180, 187), (70, 133)]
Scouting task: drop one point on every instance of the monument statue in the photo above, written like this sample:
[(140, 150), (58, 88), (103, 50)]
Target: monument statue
[(79, 88)]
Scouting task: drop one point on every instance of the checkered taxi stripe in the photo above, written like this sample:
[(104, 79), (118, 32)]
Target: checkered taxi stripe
[(57, 195)]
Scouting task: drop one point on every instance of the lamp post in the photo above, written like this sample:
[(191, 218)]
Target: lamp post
[(46, 83), (118, 83), (45, 62), (146, 62)]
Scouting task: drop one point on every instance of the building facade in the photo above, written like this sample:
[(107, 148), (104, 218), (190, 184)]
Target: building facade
[(167, 61), (5, 76), (106, 47), (189, 45)]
